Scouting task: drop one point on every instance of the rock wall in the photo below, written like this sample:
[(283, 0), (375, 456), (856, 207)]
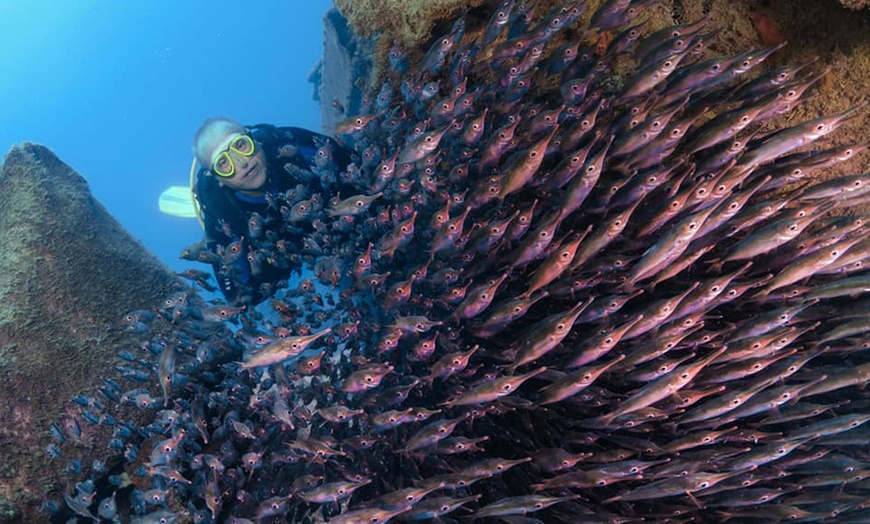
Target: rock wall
[(69, 271), (855, 4), (342, 77), (838, 40), (412, 24)]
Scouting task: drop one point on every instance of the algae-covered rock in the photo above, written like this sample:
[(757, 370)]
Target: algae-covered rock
[(409, 22), (9, 512), (834, 39), (342, 76), (856, 4), (820, 33), (69, 270)]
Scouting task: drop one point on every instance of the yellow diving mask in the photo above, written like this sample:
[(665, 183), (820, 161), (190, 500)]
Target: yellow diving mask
[(222, 163)]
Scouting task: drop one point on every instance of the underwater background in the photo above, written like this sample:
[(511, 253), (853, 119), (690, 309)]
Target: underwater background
[(696, 365)]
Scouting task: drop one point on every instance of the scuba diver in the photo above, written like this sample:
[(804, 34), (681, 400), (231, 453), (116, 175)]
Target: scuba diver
[(253, 193)]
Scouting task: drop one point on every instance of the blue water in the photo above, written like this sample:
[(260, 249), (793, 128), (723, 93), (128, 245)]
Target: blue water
[(117, 89)]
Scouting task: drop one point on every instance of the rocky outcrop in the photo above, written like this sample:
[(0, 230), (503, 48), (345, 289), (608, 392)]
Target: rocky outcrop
[(836, 38), (342, 76), (411, 23), (856, 4), (69, 271)]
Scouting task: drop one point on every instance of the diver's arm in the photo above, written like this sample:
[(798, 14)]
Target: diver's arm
[(233, 279), (221, 218)]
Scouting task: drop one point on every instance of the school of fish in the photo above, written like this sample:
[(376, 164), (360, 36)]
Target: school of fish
[(582, 281)]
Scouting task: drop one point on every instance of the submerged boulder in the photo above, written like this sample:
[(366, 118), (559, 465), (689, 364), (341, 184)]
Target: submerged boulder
[(69, 271), (343, 74)]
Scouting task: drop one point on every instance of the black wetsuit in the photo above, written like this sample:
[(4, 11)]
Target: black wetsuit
[(226, 212)]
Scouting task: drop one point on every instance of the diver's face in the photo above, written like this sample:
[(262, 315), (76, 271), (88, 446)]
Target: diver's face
[(249, 173)]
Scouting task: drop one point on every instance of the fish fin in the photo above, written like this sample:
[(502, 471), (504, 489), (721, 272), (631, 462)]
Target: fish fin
[(177, 201), (612, 499), (715, 266), (695, 500), (601, 422)]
